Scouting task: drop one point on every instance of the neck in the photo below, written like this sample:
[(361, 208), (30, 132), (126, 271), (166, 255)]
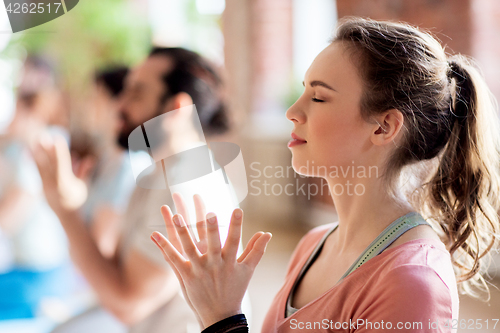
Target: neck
[(363, 214)]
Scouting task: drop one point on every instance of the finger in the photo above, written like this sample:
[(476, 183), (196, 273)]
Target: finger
[(61, 153), (39, 158), (201, 212), (213, 236), (250, 245), (43, 162), (47, 145), (255, 255), (188, 244), (154, 237), (158, 243), (180, 205), (234, 235), (174, 257), (172, 235)]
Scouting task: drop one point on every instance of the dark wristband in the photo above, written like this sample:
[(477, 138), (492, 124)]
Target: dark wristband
[(234, 324)]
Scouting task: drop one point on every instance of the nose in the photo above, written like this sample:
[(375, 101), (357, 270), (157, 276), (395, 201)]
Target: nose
[(295, 113)]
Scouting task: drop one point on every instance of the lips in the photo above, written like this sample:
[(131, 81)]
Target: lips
[(296, 141), (296, 137)]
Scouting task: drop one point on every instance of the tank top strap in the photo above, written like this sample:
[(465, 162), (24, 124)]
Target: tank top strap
[(387, 237)]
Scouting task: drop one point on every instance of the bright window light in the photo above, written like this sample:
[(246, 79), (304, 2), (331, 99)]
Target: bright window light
[(210, 7)]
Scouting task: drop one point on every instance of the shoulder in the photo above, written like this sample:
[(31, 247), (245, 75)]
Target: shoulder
[(417, 287), (420, 280), (416, 255), (410, 294), (418, 274)]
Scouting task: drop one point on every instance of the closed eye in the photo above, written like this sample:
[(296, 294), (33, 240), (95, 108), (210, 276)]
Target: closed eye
[(317, 100)]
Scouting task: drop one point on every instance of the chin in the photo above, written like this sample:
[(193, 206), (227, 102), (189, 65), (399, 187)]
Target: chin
[(311, 167), (301, 167)]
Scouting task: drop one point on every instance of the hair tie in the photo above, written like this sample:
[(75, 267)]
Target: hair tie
[(456, 72)]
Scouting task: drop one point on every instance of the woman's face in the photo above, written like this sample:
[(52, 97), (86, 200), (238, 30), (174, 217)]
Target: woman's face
[(328, 127)]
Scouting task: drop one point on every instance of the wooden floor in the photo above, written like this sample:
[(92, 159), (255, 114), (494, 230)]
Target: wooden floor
[(269, 276)]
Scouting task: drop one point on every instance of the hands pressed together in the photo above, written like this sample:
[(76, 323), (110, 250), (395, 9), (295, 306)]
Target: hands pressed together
[(213, 278)]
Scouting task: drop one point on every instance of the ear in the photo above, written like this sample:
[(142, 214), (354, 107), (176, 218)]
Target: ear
[(178, 101), (387, 127), (178, 110)]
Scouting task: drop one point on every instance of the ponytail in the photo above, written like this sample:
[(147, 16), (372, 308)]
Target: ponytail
[(463, 195)]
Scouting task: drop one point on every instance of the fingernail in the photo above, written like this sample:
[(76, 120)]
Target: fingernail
[(156, 236), (237, 214), (211, 218), (177, 220)]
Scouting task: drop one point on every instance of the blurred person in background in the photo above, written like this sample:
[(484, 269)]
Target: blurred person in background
[(136, 285), (111, 181), (35, 261), (98, 159)]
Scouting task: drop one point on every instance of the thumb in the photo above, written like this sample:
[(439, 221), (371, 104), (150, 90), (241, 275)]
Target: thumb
[(62, 154), (259, 248)]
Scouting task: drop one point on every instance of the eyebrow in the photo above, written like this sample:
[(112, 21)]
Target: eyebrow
[(319, 83)]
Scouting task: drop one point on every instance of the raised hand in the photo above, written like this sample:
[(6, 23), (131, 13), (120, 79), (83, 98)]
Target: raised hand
[(213, 282), (63, 190), (174, 237), (201, 228)]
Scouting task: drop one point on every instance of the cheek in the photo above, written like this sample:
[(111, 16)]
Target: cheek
[(141, 112), (336, 139)]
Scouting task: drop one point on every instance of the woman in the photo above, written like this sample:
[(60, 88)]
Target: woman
[(36, 266), (385, 97)]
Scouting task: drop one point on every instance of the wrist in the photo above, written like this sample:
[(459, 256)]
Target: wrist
[(64, 213), (216, 317), (236, 323)]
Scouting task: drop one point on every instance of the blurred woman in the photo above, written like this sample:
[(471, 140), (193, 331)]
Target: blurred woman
[(35, 259)]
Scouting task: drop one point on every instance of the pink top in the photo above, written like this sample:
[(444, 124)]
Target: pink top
[(408, 288)]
